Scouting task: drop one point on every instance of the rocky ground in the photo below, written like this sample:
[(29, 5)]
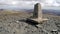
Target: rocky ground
[(10, 24)]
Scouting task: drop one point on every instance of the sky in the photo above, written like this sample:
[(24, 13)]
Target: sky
[(29, 4)]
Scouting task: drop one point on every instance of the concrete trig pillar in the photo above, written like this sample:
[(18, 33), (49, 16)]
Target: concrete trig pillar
[(37, 14), (37, 11)]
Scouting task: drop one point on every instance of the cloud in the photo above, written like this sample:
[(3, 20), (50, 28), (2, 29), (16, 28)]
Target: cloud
[(29, 3), (43, 2), (19, 4), (51, 3)]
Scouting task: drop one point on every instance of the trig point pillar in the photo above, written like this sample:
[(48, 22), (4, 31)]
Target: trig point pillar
[(37, 14), (37, 11)]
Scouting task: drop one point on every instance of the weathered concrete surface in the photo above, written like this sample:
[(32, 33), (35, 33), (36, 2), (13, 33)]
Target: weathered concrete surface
[(37, 11), (37, 14)]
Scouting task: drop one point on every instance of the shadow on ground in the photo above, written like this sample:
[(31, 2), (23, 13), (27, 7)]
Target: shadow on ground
[(29, 21)]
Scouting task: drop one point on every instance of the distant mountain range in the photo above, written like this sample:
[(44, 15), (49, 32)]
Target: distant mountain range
[(53, 12), (45, 11), (50, 11)]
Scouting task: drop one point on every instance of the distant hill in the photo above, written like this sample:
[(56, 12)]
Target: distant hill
[(49, 11), (53, 12)]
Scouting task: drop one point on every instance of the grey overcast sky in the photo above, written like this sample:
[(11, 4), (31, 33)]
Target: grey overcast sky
[(29, 4)]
